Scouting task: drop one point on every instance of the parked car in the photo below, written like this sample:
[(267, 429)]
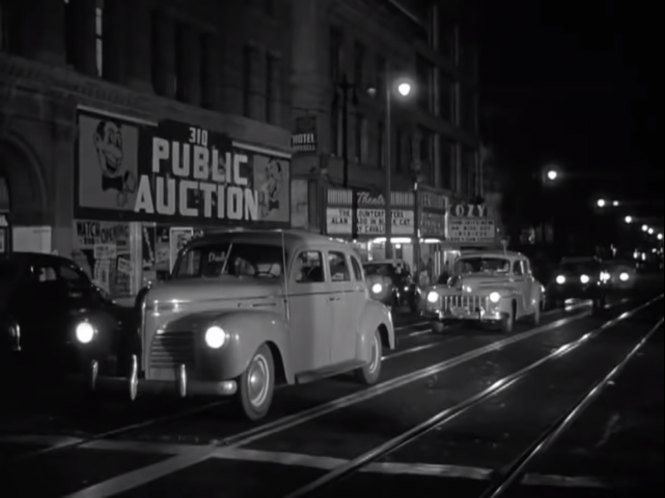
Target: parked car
[(391, 282), (486, 286), (41, 298), (246, 310), (579, 278)]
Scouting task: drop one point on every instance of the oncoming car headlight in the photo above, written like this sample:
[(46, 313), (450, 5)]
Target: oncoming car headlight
[(585, 279), (85, 333), (560, 280), (377, 288), (433, 297), (624, 277), (495, 297), (215, 337)]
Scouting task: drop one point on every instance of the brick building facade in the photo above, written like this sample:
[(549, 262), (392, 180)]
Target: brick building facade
[(87, 84)]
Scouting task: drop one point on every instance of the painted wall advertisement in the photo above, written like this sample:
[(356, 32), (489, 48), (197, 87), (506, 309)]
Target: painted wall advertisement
[(102, 250), (371, 213), (179, 173), (470, 223)]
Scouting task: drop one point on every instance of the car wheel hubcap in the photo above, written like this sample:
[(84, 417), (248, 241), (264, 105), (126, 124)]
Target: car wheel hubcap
[(375, 355), (258, 380)]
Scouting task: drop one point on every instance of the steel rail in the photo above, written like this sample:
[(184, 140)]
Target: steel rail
[(449, 414)]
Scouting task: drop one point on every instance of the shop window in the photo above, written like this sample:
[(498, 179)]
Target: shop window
[(308, 268), (339, 269), (72, 277)]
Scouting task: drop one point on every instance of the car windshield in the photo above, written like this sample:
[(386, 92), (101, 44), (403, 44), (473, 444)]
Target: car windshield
[(481, 265), (383, 270), (236, 259), (580, 267)]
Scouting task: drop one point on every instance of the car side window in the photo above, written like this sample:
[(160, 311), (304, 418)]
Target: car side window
[(308, 268), (44, 273), (339, 269), (517, 268), (357, 269), (72, 276)]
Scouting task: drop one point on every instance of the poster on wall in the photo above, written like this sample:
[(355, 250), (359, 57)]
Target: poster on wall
[(102, 250), (175, 172), (178, 239)]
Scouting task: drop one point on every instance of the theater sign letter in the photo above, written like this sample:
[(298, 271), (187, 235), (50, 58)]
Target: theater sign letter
[(186, 172)]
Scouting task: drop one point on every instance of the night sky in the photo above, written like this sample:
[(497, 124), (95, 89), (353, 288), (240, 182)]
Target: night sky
[(580, 84)]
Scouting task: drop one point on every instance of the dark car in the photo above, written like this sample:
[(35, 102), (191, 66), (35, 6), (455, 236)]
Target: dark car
[(42, 299), (579, 278), (391, 282)]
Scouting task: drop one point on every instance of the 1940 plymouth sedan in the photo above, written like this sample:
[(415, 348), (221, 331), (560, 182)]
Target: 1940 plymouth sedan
[(486, 286), (244, 310)]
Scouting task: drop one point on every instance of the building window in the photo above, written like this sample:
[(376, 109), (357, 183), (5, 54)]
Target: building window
[(99, 37), (158, 82), (335, 129), (447, 98), (381, 70), (361, 139), (4, 27), (447, 160), (270, 7), (180, 55), (272, 74), (207, 99), (359, 64), (336, 54), (424, 72), (380, 146), (247, 74), (467, 109)]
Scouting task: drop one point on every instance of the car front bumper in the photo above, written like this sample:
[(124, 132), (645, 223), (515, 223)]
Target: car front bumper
[(180, 385), (462, 315)]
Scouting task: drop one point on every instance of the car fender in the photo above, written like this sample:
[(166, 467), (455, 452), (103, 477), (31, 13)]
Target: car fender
[(375, 316), (247, 331)]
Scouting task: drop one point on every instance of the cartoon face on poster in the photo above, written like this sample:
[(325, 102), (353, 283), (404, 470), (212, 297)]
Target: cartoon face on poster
[(108, 165)]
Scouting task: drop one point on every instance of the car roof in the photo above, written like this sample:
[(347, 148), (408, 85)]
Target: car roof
[(493, 254), (292, 238), (30, 257)]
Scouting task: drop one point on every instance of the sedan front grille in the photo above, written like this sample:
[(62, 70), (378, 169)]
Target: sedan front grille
[(466, 301), (172, 349)]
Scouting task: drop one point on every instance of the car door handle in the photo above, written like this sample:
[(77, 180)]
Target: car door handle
[(334, 298)]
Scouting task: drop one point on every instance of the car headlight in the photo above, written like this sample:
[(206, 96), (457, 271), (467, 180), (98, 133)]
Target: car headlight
[(215, 337), (433, 297), (585, 279), (495, 297), (605, 277), (377, 288), (624, 277), (560, 280), (85, 333)]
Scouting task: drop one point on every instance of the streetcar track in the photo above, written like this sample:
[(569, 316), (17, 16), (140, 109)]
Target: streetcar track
[(286, 422), (451, 413), (517, 467)]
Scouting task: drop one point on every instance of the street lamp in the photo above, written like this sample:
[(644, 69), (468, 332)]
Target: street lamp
[(616, 204), (552, 175), (403, 88), (629, 220), (660, 236), (651, 231), (601, 203), (645, 228)]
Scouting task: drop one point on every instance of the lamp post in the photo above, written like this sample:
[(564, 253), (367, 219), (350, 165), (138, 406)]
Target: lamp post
[(404, 89)]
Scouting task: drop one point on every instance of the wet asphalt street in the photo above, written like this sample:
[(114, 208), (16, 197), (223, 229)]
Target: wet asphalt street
[(454, 415)]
